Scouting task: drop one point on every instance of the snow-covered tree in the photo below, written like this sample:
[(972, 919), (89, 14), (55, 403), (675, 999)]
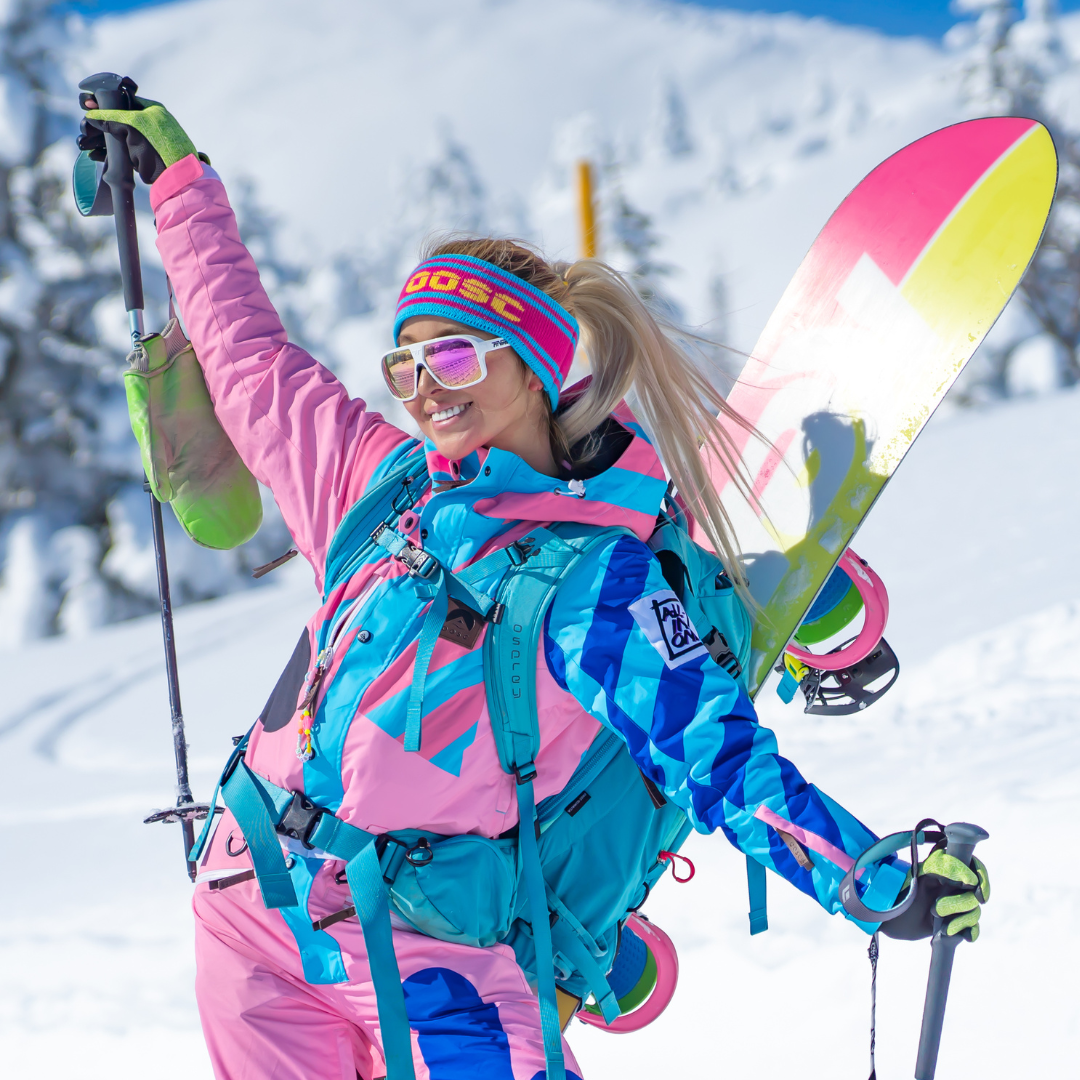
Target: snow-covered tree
[(75, 544), (1014, 63), (62, 453), (675, 122)]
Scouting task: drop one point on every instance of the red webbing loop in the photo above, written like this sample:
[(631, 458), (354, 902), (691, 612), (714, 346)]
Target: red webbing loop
[(670, 856)]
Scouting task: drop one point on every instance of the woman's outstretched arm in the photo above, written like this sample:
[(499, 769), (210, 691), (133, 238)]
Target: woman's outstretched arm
[(692, 730), (291, 420)]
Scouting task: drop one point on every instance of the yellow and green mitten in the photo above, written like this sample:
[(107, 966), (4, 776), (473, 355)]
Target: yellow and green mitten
[(188, 458)]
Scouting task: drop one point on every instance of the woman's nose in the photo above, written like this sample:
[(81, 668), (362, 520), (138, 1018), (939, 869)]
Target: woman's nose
[(426, 385)]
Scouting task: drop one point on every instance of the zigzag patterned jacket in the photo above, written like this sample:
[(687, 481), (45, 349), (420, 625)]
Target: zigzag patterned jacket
[(688, 725)]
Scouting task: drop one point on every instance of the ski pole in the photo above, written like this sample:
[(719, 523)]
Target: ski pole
[(961, 840), (115, 92)]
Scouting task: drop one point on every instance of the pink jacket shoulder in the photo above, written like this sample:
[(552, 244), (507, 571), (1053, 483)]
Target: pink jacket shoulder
[(289, 417)]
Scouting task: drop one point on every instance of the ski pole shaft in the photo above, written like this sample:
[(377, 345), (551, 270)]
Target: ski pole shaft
[(115, 92), (183, 784), (961, 840)]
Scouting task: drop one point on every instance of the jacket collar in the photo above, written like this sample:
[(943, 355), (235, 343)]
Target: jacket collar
[(624, 485)]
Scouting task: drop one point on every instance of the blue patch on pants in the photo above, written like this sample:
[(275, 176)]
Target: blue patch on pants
[(460, 1035)]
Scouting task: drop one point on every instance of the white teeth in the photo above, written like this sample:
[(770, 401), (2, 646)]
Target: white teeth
[(447, 413)]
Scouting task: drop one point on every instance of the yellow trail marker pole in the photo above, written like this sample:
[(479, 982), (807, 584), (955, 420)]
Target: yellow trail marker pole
[(586, 210)]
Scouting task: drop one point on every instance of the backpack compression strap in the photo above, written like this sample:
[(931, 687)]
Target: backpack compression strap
[(263, 810), (397, 492), (510, 652)]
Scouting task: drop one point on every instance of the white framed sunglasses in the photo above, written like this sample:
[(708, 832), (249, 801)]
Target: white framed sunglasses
[(455, 362)]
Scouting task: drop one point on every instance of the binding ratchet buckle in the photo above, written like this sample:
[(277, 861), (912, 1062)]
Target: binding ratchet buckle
[(849, 690)]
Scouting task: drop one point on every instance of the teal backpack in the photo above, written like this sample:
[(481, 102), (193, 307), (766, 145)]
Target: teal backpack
[(558, 888)]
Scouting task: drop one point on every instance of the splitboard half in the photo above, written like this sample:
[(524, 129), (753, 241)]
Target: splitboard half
[(895, 295)]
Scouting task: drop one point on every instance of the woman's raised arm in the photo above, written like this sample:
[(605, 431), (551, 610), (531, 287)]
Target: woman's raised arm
[(291, 420)]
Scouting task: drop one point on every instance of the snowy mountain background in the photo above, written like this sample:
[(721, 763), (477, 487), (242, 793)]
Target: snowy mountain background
[(976, 539), (350, 130), (345, 131)]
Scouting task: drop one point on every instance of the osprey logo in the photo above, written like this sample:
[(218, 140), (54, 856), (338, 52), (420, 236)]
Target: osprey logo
[(463, 626), (664, 622)]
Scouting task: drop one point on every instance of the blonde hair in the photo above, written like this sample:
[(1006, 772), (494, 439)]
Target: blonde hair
[(631, 352)]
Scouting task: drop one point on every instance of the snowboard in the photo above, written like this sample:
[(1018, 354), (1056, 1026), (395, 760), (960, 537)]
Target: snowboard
[(897, 292)]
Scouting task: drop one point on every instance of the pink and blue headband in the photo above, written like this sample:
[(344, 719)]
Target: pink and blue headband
[(479, 294)]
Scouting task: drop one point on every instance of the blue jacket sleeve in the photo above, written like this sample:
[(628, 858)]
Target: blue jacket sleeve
[(617, 639)]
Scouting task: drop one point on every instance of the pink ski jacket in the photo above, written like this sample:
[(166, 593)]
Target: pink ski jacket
[(689, 726)]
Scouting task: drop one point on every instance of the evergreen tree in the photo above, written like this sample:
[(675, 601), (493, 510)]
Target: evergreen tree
[(1010, 69), (62, 455)]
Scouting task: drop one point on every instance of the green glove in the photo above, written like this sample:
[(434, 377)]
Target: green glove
[(940, 876), (154, 139)]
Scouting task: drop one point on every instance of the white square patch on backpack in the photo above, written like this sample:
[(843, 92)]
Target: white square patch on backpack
[(665, 623)]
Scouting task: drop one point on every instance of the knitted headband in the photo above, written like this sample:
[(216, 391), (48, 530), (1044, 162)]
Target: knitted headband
[(479, 294)]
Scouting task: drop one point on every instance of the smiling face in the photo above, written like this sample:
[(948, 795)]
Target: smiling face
[(506, 410)]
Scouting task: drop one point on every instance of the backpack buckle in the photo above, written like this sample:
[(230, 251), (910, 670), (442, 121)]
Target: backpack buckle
[(521, 551), (525, 773), (300, 819), (415, 559)]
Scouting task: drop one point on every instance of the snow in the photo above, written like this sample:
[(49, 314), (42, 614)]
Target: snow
[(737, 134), (974, 540)]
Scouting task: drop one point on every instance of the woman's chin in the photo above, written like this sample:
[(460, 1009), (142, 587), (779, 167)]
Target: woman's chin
[(455, 447)]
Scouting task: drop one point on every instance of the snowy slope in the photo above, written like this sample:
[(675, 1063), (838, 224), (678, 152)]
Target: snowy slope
[(737, 133), (94, 926), (340, 108)]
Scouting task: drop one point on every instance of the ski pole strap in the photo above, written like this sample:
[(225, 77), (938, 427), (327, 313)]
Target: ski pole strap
[(757, 887), (872, 952), (555, 1068), (887, 845)]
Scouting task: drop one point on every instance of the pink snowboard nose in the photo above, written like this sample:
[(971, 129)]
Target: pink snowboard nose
[(875, 615)]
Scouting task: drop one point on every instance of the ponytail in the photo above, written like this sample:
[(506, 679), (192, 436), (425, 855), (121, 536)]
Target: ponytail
[(632, 353)]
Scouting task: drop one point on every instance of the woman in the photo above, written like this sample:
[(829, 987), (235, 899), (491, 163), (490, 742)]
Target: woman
[(484, 338)]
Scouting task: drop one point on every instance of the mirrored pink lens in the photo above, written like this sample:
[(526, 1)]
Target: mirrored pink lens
[(399, 370), (453, 362)]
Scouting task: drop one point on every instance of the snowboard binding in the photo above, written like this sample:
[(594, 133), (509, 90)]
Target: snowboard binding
[(852, 676), (643, 977)]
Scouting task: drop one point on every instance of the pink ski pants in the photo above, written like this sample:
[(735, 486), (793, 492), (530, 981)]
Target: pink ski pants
[(472, 1014)]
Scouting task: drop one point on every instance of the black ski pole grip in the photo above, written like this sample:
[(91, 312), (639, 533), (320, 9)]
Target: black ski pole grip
[(961, 840), (118, 92)]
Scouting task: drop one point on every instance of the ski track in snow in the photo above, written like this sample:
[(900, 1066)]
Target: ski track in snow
[(95, 930)]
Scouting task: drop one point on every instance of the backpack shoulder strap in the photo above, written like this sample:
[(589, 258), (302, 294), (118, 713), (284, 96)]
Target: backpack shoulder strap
[(510, 651), (385, 500), (511, 646)]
